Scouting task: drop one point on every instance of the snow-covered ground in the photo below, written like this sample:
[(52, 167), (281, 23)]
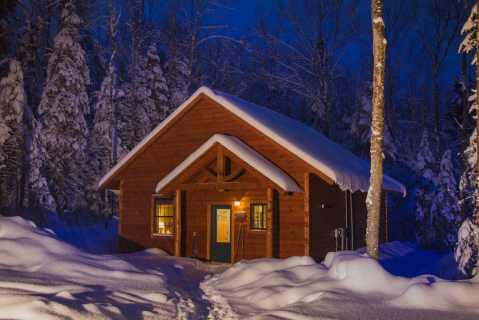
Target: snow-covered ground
[(43, 277)]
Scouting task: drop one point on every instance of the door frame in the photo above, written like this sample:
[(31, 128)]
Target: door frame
[(208, 226)]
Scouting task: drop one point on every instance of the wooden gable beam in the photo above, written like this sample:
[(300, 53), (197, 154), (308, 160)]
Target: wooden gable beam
[(243, 122), (221, 182), (223, 186), (205, 159), (234, 174), (220, 165), (209, 173), (258, 175)]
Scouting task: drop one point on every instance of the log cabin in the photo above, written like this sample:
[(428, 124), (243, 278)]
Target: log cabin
[(223, 179)]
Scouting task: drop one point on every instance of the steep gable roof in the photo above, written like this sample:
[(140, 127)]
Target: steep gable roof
[(348, 171), (242, 151)]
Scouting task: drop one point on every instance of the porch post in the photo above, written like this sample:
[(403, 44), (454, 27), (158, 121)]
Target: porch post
[(177, 223), (269, 224), (306, 215)]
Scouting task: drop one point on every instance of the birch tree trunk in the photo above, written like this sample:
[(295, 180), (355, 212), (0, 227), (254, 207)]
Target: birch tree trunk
[(477, 120), (373, 201)]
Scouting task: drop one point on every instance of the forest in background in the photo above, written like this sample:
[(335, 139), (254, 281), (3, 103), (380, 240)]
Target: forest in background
[(82, 82)]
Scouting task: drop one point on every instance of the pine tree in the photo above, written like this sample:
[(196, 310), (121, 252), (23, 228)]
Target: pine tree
[(138, 108), (445, 215), (468, 242), (158, 87), (105, 143), (177, 74), (423, 186), (41, 201), (12, 105), (62, 110), (467, 249)]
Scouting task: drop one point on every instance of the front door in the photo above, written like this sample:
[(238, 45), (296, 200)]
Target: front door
[(221, 233)]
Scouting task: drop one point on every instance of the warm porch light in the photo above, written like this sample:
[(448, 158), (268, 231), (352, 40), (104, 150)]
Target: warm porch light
[(237, 203)]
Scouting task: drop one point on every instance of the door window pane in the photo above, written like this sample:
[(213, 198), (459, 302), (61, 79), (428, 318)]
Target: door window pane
[(223, 225)]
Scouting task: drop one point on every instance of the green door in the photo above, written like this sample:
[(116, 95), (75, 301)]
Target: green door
[(221, 233)]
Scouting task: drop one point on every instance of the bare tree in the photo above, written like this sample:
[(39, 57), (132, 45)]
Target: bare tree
[(437, 23), (265, 55), (203, 24), (373, 201), (319, 35)]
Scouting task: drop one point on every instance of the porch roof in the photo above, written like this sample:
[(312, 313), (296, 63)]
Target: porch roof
[(242, 151)]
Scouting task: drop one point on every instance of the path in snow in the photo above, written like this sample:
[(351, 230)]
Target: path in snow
[(183, 278)]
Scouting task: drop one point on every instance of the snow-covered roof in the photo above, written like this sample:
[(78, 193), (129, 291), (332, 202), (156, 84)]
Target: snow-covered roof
[(348, 171), (245, 153)]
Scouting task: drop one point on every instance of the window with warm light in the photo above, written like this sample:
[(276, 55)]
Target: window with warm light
[(163, 222), (258, 217)]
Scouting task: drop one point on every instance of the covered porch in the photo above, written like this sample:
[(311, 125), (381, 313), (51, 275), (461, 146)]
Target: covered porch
[(225, 203)]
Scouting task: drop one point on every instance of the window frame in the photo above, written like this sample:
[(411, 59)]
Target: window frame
[(263, 216), (155, 218)]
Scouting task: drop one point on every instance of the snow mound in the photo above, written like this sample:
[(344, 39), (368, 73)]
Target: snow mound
[(407, 260), (43, 277), (298, 286)]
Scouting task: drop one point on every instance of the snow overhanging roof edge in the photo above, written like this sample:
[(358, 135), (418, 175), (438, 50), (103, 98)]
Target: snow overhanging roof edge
[(242, 151), (348, 171)]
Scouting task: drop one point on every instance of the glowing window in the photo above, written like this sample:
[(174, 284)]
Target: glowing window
[(163, 223), (258, 217)]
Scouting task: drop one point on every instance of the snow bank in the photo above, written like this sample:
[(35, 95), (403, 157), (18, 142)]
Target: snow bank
[(347, 284), (407, 260), (43, 277)]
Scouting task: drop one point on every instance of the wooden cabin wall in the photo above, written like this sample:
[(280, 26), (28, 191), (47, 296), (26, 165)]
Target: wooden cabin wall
[(135, 231), (187, 134), (288, 238), (324, 221), (360, 219)]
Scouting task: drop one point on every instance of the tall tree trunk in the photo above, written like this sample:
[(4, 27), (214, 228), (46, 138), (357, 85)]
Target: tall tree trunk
[(436, 122), (465, 120), (477, 122), (373, 201)]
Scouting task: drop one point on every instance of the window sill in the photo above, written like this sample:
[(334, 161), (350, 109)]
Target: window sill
[(257, 231), (162, 235)]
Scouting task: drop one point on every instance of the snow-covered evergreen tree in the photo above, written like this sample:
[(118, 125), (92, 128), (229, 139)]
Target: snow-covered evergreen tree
[(138, 108), (177, 74), (360, 123), (158, 87), (105, 143), (445, 217), (62, 110), (467, 250), (422, 184), (12, 104), (38, 184)]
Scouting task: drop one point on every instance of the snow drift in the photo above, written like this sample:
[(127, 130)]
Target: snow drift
[(43, 277), (347, 284)]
